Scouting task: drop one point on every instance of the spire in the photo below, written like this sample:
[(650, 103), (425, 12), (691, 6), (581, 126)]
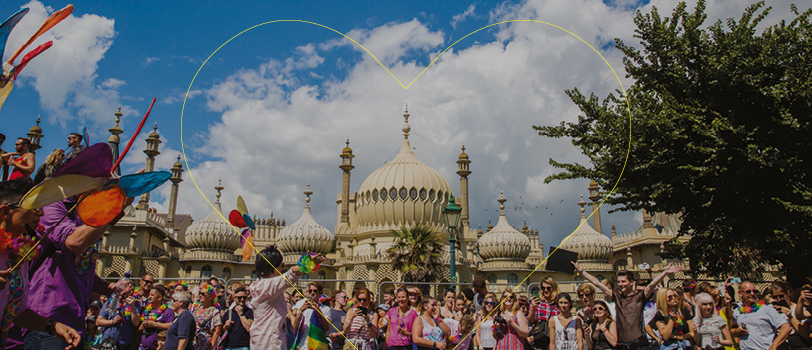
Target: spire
[(219, 188), (582, 204), (406, 127), (35, 135), (501, 201), (490, 227), (308, 193), (614, 233)]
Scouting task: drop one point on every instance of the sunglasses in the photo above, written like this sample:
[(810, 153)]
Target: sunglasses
[(150, 282), (363, 300), (779, 296), (584, 295), (510, 297), (312, 290), (489, 303), (672, 296), (243, 297), (547, 288), (749, 291), (598, 309)]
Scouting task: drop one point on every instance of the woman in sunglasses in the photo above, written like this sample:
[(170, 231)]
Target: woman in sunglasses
[(399, 335), (601, 333), (361, 322), (484, 334), (565, 330), (513, 323), (544, 306), (672, 320)]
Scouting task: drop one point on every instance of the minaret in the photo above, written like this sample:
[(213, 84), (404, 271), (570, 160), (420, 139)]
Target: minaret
[(114, 140), (219, 188), (35, 135), (596, 211), (346, 166), (177, 170), (463, 171), (153, 140)]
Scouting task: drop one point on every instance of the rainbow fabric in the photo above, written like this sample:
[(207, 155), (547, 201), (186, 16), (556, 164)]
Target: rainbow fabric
[(316, 334), (752, 308)]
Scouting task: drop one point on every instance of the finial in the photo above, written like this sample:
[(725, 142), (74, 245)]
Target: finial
[(502, 201), (582, 204), (219, 188), (490, 227), (38, 115), (463, 147), (348, 141), (179, 157), (525, 222), (155, 128), (308, 193), (406, 127), (614, 233)]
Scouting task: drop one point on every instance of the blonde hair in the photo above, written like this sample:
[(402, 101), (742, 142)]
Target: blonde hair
[(515, 306), (493, 298), (586, 288), (551, 281), (419, 304), (52, 158), (662, 301)]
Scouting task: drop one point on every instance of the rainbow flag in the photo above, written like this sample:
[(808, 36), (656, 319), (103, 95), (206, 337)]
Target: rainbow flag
[(317, 333)]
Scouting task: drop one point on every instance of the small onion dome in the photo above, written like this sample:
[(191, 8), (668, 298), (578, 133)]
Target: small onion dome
[(463, 155), (36, 129), (213, 233), (347, 150), (588, 243), (177, 164), (154, 133), (504, 242), (305, 234)]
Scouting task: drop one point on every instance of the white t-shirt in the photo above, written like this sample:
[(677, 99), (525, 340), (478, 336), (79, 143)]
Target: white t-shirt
[(761, 325), (306, 316), (708, 328)]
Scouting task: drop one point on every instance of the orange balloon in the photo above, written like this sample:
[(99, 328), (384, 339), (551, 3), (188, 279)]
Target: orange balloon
[(99, 208)]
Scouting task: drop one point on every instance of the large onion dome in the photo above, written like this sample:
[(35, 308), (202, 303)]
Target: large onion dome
[(305, 234), (592, 247), (504, 246), (213, 233), (403, 192)]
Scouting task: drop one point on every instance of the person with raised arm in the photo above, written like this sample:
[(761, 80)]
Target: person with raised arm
[(629, 303)]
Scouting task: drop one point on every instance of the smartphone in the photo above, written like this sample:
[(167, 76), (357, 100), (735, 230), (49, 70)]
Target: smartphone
[(534, 291), (782, 303), (735, 280)]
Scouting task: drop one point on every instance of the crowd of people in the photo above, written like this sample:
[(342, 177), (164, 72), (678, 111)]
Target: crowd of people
[(53, 299)]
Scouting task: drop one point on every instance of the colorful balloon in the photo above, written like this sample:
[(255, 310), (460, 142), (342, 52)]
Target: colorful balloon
[(137, 184), (58, 188), (241, 206), (94, 161), (100, 207), (235, 219), (248, 221), (306, 263)]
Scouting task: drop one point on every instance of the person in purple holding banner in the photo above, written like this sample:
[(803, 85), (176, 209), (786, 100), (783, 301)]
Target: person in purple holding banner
[(64, 277), (155, 317)]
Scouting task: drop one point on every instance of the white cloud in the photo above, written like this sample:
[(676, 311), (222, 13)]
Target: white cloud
[(113, 83), (65, 75), (180, 96), (462, 16), (277, 134), (149, 60)]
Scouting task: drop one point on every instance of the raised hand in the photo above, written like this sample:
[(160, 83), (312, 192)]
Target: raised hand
[(673, 268)]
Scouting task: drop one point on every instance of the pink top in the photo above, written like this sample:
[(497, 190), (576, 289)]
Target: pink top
[(406, 322), (269, 307)]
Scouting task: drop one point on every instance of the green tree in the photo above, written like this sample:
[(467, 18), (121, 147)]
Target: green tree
[(720, 131), (416, 253)]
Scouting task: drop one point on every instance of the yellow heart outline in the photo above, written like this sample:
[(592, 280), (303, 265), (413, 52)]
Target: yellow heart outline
[(625, 162)]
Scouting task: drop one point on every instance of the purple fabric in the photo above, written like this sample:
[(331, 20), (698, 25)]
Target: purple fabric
[(94, 161), (63, 283), (243, 236), (151, 342), (137, 184)]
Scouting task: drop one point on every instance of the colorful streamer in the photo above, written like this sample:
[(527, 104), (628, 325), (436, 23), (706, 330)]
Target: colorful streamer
[(30, 56), (307, 265), (58, 188), (101, 206), (49, 23), (135, 185), (137, 131), (7, 26), (94, 161), (86, 136)]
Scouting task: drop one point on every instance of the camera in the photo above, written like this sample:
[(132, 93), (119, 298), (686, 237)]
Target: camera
[(499, 319), (807, 288)]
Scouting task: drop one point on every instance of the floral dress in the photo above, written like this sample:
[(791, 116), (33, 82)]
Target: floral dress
[(207, 322)]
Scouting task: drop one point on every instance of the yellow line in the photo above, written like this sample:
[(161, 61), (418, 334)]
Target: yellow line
[(185, 160)]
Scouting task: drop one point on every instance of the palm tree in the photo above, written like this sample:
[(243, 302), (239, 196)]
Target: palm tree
[(416, 253)]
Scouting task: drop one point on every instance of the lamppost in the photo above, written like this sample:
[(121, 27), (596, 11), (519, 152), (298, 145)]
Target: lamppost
[(452, 218)]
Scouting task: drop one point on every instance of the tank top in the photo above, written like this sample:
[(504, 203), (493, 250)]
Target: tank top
[(430, 333), (511, 340), (18, 173), (486, 334), (358, 328), (599, 341), (565, 338)]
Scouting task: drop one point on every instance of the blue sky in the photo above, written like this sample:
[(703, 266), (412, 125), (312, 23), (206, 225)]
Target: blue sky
[(270, 112)]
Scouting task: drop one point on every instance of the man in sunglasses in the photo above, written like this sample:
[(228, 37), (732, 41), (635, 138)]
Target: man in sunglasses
[(304, 311), (14, 297), (630, 304), (145, 284), (237, 321), (757, 324)]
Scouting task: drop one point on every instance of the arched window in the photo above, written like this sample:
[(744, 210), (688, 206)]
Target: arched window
[(513, 279), (600, 277), (492, 279), (226, 274), (205, 271)]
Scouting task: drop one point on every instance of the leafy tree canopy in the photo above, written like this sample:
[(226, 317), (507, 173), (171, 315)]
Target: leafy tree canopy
[(720, 132)]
